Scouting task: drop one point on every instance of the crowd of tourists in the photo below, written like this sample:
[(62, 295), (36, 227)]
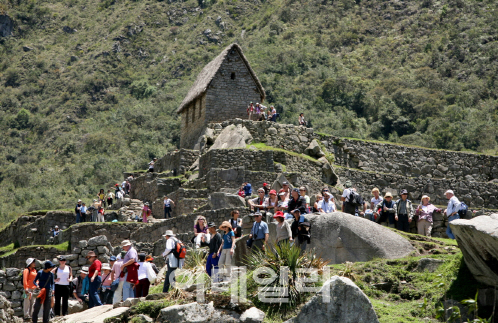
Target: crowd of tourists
[(259, 112)]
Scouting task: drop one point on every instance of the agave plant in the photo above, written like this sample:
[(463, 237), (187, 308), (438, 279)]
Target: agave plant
[(291, 257)]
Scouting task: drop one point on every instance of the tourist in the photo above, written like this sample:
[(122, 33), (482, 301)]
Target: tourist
[(258, 203), (301, 120), (129, 262), (95, 211), (257, 111), (63, 277), (149, 259), (425, 213), (226, 250), (142, 288), (386, 211), (56, 231), (247, 189), (146, 212), (83, 211), (95, 280), (318, 199), (127, 187), (101, 196), (295, 202), (349, 205), (172, 261), (273, 114), (376, 199), (100, 213), (266, 187), (300, 229), (77, 211), (151, 165), (200, 231), (404, 212), (241, 192), (167, 207), (250, 111), (119, 197), (259, 233), (110, 197), (451, 211), (282, 201), (214, 246), (81, 286), (44, 281), (284, 234), (287, 190), (236, 223), (327, 205), (303, 191), (30, 291), (271, 203), (117, 279), (106, 278)]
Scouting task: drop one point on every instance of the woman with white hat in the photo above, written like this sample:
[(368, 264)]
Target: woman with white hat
[(106, 293), (30, 292), (424, 212), (172, 262)]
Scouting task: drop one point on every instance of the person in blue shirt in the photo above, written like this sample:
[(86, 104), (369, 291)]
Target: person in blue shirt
[(83, 212), (225, 253), (44, 280), (247, 189), (259, 233), (451, 211)]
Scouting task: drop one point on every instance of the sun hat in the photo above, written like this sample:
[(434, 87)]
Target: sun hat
[(295, 190), (29, 261), (112, 258), (302, 188), (149, 258), (211, 224), (61, 258), (426, 197), (79, 201), (169, 233), (83, 270), (273, 192), (91, 254), (225, 224), (257, 214), (57, 227), (265, 184), (388, 194), (125, 243), (403, 192), (48, 265), (449, 192), (296, 210), (279, 214), (106, 266), (375, 190), (285, 183)]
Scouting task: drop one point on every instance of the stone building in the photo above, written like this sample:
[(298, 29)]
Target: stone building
[(222, 91)]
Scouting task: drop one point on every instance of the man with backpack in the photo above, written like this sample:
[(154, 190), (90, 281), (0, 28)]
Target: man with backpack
[(175, 257), (404, 210), (128, 268), (352, 200), (452, 211)]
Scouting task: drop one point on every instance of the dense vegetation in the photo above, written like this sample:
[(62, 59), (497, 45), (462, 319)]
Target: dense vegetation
[(88, 88)]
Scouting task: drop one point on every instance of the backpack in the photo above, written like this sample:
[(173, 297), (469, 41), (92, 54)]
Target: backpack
[(355, 198), (180, 250), (463, 210)]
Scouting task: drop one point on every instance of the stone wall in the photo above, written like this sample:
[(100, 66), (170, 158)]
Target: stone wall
[(34, 229), (413, 162), (177, 161), (193, 122), (255, 160), (475, 195), (231, 90), (11, 288), (150, 186), (18, 259)]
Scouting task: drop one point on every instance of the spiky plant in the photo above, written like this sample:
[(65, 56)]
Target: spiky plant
[(275, 257)]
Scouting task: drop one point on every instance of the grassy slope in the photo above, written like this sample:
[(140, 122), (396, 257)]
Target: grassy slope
[(75, 113)]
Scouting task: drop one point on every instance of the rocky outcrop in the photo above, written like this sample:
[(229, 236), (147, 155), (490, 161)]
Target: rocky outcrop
[(7, 313), (341, 237), (232, 137), (220, 200), (478, 240), (6, 26), (314, 150), (346, 304)]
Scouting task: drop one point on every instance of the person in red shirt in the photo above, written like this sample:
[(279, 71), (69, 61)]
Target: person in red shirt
[(95, 279)]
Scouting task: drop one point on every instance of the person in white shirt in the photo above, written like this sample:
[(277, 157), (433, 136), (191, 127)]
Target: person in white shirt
[(172, 262), (451, 211), (64, 277), (167, 207), (327, 205), (376, 199), (151, 165)]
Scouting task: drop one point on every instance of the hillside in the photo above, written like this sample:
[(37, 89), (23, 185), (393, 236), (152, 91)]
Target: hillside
[(88, 89)]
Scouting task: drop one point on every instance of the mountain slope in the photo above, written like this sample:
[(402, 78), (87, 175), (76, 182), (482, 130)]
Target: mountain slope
[(88, 89)]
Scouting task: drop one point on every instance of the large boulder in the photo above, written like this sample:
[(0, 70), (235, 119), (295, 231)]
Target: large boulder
[(219, 200), (232, 137), (478, 240), (347, 304), (314, 150), (340, 237), (198, 313)]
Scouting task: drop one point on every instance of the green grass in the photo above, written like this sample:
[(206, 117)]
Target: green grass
[(264, 147), (6, 249), (63, 247)]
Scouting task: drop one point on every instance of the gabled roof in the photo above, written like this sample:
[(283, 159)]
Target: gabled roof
[(209, 71)]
